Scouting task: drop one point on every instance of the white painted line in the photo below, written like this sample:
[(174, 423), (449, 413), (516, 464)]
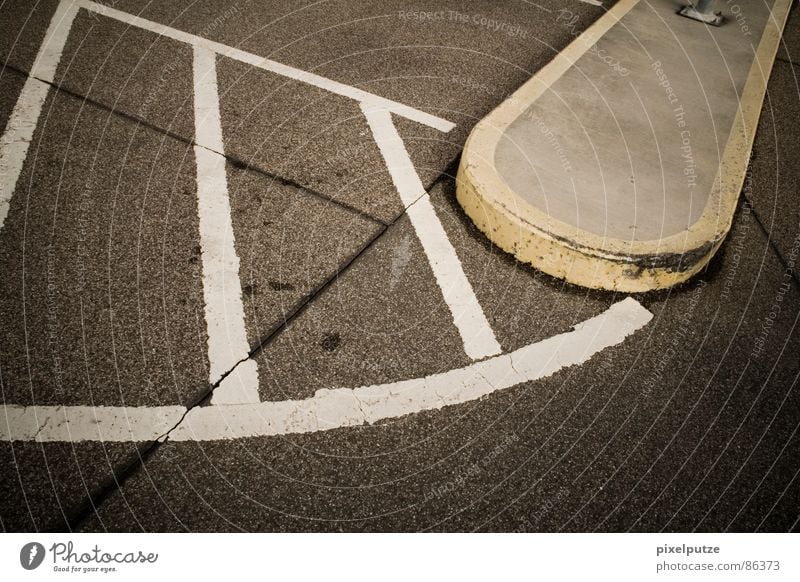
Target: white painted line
[(227, 338), (329, 409), (25, 115), (87, 423), (592, 2), (274, 67), (468, 316), (238, 387)]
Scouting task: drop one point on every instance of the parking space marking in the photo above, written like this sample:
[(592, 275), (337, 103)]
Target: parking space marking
[(222, 290), (330, 409), (24, 117), (87, 423), (274, 67), (237, 411), (476, 333)]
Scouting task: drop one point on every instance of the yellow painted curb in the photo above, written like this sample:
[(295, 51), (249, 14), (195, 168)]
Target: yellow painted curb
[(584, 258)]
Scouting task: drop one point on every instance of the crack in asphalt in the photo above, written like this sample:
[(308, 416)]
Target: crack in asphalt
[(87, 508), (235, 161)]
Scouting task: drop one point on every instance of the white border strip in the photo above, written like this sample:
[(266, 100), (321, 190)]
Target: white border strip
[(274, 67), (476, 333), (87, 423), (25, 115), (222, 291), (328, 409)]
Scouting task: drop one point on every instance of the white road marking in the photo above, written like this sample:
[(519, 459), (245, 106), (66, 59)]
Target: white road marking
[(476, 333), (240, 386), (274, 67), (592, 2), (329, 409), (237, 411), (227, 338), (87, 423), (23, 119)]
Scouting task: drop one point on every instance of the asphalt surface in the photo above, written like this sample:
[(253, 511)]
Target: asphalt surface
[(689, 424)]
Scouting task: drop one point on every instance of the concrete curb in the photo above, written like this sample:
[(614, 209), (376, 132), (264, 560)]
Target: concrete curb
[(584, 258)]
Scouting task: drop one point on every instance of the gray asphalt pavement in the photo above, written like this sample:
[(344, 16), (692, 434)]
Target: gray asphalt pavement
[(690, 423)]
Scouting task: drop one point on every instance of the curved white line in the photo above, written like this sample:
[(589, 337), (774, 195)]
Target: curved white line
[(327, 409)]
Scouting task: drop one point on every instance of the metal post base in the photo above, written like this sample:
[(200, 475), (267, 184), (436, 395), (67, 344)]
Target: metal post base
[(707, 17)]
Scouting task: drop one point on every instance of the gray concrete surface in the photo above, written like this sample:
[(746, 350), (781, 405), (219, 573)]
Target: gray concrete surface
[(628, 142)]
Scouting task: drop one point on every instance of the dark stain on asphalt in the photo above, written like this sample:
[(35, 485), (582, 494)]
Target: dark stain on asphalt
[(330, 342), (281, 286)]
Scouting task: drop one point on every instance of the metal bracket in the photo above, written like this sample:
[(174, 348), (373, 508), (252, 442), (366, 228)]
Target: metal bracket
[(703, 11)]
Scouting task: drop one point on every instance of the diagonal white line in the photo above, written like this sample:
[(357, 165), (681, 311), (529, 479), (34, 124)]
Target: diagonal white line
[(25, 115), (468, 316), (274, 67), (227, 338)]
